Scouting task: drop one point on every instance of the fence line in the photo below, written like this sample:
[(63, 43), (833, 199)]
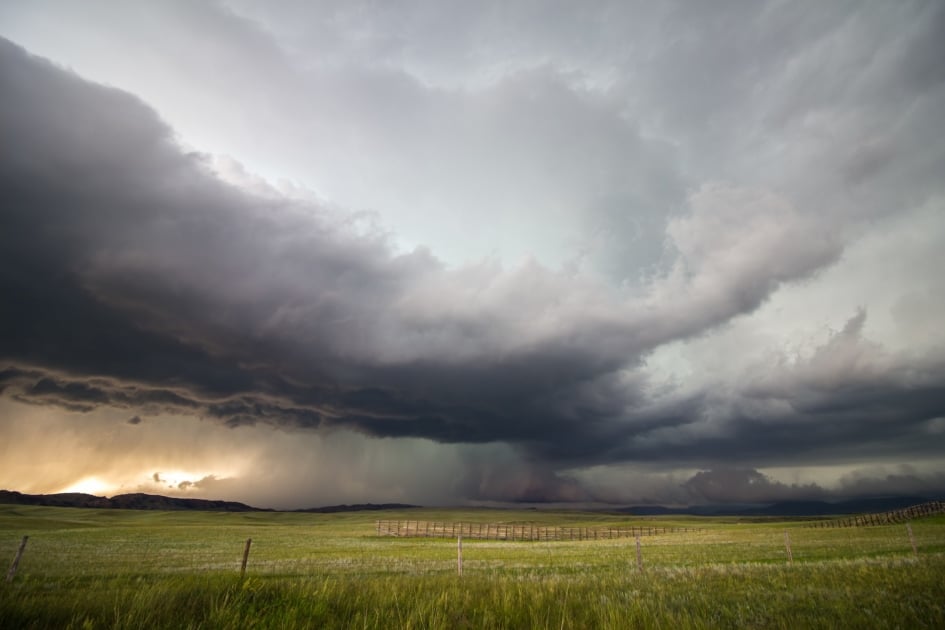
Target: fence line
[(503, 531), (891, 517)]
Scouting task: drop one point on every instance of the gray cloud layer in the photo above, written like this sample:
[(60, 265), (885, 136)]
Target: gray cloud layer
[(120, 247), (134, 277)]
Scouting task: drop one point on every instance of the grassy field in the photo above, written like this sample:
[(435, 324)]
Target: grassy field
[(136, 569)]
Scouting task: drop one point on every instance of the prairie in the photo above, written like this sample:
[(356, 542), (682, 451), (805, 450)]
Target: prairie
[(124, 568)]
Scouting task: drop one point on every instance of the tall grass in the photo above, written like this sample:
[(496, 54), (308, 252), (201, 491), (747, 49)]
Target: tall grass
[(124, 569)]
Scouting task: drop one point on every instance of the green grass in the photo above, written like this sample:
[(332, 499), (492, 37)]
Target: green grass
[(130, 569)]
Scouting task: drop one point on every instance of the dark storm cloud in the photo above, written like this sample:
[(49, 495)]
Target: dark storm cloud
[(132, 277), (727, 485), (849, 400), (135, 278), (905, 481), (748, 485)]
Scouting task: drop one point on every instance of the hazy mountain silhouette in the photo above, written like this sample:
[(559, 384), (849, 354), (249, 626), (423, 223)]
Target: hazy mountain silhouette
[(135, 501), (140, 501), (784, 508)]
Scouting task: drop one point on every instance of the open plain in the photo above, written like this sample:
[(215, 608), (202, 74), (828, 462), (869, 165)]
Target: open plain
[(123, 568)]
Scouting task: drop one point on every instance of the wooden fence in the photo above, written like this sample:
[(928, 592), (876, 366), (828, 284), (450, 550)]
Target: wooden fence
[(886, 518), (502, 531)]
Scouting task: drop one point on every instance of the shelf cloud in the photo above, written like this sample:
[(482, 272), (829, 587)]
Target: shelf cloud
[(705, 266)]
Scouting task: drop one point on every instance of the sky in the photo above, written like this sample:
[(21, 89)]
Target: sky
[(473, 253)]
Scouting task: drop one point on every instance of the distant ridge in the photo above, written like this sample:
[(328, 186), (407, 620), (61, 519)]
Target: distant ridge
[(856, 506), (141, 501), (135, 501), (783, 508), (359, 507)]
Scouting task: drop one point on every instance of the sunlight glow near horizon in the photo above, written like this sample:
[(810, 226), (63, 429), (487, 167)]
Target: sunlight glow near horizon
[(89, 485), (164, 482)]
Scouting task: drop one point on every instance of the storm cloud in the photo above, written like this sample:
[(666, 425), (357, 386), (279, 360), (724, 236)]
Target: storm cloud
[(688, 302)]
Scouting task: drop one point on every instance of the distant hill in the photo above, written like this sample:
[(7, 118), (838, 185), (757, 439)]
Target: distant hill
[(358, 507), (783, 508), (822, 508), (140, 501), (136, 501)]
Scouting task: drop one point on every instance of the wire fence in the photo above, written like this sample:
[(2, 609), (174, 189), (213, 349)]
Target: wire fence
[(329, 547), (504, 531), (931, 508)]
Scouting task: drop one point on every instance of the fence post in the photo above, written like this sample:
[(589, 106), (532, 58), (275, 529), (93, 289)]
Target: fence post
[(787, 545), (459, 555), (16, 559), (639, 556), (915, 550), (249, 541)]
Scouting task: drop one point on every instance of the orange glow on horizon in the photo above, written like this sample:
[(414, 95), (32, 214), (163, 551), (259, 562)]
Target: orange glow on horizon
[(90, 485)]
